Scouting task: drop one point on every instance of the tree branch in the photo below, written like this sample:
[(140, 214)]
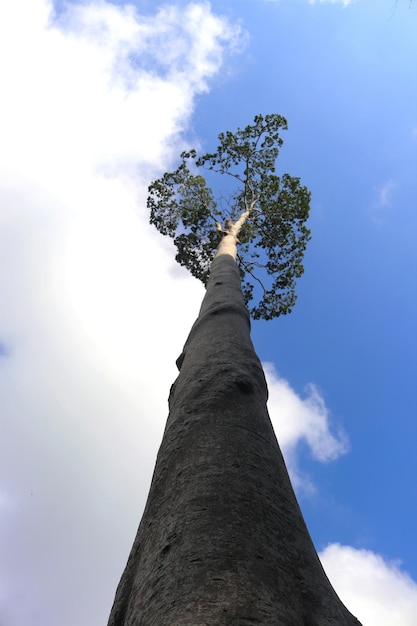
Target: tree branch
[(247, 269)]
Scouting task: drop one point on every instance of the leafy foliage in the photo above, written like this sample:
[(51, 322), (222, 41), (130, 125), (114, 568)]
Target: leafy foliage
[(273, 236)]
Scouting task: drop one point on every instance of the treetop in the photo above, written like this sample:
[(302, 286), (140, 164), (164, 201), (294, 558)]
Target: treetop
[(265, 214)]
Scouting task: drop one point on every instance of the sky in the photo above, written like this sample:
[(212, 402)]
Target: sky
[(99, 99)]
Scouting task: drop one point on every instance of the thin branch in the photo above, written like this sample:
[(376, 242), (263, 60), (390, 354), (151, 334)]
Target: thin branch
[(247, 269), (219, 171), (256, 263)]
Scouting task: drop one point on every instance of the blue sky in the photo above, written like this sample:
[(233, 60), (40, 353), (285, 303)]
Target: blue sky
[(345, 80), (99, 99)]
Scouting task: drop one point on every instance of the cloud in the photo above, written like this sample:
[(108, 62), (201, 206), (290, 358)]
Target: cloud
[(76, 76), (375, 590), (386, 192), (307, 420), (344, 2), (94, 105)]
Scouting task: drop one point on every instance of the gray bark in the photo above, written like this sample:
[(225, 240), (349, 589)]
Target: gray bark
[(222, 540)]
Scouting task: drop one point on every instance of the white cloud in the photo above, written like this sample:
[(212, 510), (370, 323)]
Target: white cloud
[(344, 2), (384, 200), (297, 420), (374, 590), (386, 192), (91, 319)]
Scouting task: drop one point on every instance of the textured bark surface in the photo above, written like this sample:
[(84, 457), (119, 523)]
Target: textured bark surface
[(222, 539)]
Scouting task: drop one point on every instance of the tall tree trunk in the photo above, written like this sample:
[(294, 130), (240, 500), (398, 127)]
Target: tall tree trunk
[(222, 540)]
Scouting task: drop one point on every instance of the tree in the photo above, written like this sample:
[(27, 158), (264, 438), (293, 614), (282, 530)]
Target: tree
[(266, 214), (222, 540)]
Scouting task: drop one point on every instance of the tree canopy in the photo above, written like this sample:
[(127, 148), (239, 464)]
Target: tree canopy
[(266, 214)]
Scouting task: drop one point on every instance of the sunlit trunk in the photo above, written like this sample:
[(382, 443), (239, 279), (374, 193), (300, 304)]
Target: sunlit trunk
[(222, 540), (228, 245)]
